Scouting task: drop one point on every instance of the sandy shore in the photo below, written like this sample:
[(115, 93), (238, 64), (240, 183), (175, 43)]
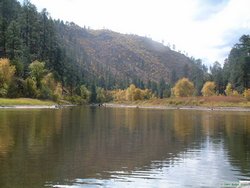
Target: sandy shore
[(239, 109)]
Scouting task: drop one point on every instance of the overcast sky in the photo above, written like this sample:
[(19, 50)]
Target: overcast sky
[(205, 29)]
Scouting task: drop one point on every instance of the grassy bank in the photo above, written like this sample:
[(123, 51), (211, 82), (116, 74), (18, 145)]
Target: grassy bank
[(214, 101), (24, 101)]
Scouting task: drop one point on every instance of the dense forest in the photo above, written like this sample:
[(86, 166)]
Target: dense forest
[(52, 59)]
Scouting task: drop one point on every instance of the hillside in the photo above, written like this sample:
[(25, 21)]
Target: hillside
[(124, 57), (73, 58)]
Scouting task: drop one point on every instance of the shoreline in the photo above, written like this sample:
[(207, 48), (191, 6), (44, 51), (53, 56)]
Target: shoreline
[(161, 107), (114, 105), (29, 107), (34, 106)]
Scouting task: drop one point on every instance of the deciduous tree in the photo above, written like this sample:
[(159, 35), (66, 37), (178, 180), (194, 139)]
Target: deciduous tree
[(37, 72), (208, 89), (229, 89), (183, 88), (7, 72)]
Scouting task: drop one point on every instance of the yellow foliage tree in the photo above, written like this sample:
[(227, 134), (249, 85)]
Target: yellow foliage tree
[(119, 95), (49, 81), (7, 72), (183, 88), (130, 92), (229, 90), (208, 89), (52, 86)]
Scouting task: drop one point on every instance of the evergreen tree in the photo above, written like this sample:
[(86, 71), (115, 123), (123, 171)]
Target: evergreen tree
[(237, 68), (13, 44), (93, 94), (217, 76)]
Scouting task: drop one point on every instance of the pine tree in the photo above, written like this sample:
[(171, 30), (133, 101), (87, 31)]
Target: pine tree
[(93, 94)]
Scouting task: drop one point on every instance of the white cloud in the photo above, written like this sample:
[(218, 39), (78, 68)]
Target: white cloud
[(199, 27)]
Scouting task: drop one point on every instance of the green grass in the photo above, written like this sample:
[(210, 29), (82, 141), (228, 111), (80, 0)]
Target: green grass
[(24, 101)]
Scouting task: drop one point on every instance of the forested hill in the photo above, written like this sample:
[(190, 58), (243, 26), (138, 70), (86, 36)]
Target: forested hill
[(42, 55), (83, 56), (125, 58)]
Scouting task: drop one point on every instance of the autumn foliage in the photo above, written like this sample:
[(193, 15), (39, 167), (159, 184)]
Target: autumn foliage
[(132, 93), (7, 72), (208, 89), (247, 94), (229, 89), (183, 88)]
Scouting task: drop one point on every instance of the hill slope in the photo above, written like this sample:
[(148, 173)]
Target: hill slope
[(124, 57), (78, 56)]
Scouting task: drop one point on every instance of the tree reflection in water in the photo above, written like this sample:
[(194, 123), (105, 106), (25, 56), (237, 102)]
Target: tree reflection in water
[(81, 144)]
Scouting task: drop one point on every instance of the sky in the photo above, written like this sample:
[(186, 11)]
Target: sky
[(205, 29)]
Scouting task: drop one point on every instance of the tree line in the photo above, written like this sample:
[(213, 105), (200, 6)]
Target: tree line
[(26, 36)]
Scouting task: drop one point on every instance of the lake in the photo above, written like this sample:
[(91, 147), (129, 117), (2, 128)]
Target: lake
[(123, 147)]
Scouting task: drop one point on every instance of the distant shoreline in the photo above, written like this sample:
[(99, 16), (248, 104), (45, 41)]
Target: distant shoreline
[(161, 107), (28, 106), (114, 105), (34, 106), (141, 106)]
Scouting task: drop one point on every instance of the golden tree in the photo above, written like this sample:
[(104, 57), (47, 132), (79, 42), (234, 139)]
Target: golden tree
[(183, 88), (119, 95), (7, 72), (229, 89), (208, 89), (130, 92)]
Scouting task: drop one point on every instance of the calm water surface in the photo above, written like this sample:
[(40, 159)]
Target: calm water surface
[(120, 147)]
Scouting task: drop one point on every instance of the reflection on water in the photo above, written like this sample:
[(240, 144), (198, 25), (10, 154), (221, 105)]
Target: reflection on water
[(112, 147)]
